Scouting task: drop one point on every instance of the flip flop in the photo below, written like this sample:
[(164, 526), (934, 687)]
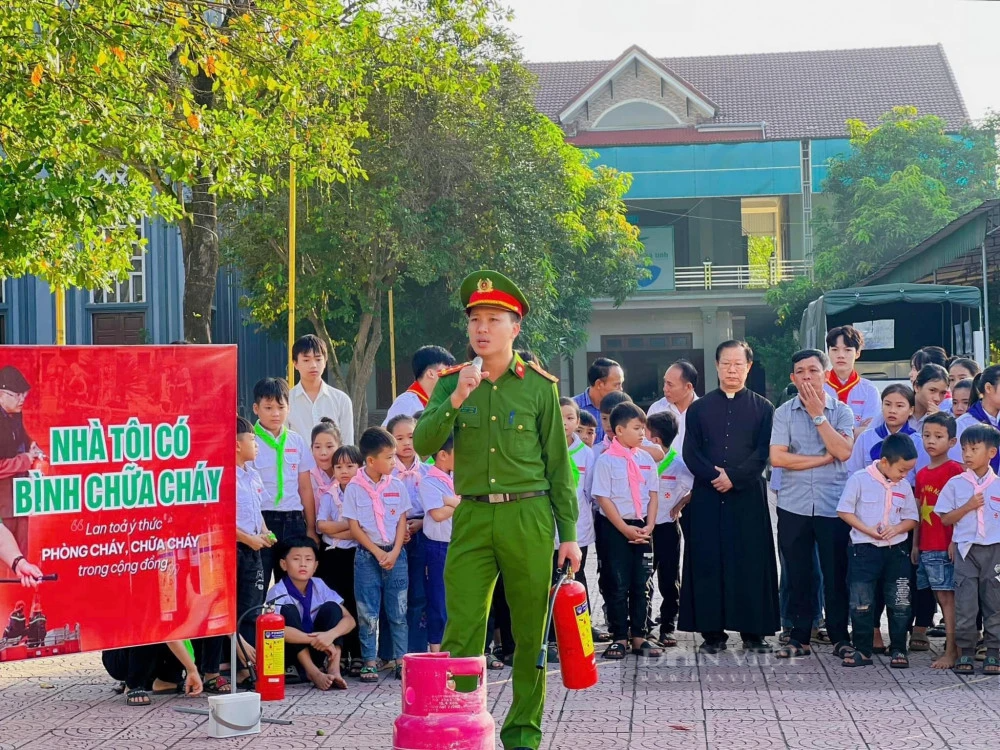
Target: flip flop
[(648, 650), (991, 665), (217, 686), (368, 674), (137, 698), (615, 652), (354, 670), (493, 663), (857, 659), (899, 660), (842, 649), (792, 650), (600, 636), (119, 689), (964, 665), (919, 643), (667, 640)]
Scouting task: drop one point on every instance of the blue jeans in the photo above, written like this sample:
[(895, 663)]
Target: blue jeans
[(416, 603), (437, 614), (378, 590)]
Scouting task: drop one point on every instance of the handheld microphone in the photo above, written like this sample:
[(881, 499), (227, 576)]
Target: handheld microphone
[(478, 363)]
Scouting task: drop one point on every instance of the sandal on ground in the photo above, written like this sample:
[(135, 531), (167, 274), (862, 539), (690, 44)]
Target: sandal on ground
[(919, 643), (667, 640), (965, 665), (600, 636), (615, 652), (383, 665), (936, 631), (820, 635), (791, 650), (217, 686), (856, 659), (492, 662), (842, 649), (354, 670), (899, 660), (991, 665), (398, 672), (980, 653), (137, 698), (368, 674), (648, 650), (119, 689), (784, 636)]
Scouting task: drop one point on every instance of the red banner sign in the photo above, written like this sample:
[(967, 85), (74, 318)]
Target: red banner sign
[(117, 482)]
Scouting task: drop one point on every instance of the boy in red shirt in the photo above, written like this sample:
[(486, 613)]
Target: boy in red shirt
[(933, 551)]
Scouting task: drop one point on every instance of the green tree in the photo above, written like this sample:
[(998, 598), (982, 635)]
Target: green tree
[(455, 180), (189, 101), (903, 180)]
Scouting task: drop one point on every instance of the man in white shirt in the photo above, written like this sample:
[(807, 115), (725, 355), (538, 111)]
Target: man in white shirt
[(312, 399), (679, 383), (427, 362)]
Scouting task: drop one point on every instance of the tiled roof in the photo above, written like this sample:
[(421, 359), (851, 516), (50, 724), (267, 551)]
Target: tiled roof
[(798, 94)]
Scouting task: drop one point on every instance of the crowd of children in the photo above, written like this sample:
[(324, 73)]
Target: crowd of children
[(355, 537)]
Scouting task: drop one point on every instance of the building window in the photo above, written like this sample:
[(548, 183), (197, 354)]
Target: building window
[(133, 289), (119, 329)]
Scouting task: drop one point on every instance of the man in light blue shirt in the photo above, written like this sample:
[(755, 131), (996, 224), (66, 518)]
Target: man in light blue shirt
[(604, 376), (811, 438)]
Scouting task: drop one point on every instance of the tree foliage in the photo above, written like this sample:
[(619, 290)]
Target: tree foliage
[(190, 101), (903, 180), (454, 180)]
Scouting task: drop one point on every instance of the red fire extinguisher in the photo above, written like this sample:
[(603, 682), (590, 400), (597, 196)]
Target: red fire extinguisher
[(271, 655), (570, 615)]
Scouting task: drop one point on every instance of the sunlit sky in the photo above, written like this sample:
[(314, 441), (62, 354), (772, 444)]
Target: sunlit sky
[(969, 31)]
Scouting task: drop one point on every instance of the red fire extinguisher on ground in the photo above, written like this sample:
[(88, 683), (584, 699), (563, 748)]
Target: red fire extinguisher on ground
[(271, 655), (570, 616)]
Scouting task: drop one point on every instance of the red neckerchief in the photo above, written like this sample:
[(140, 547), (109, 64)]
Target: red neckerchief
[(419, 391), (842, 389)]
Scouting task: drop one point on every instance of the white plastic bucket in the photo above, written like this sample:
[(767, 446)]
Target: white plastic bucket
[(233, 715)]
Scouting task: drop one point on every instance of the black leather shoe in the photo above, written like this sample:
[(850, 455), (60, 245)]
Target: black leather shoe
[(712, 648)]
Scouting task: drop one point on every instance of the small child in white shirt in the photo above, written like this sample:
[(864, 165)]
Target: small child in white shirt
[(625, 486), (438, 498), (675, 492), (970, 503), (878, 505)]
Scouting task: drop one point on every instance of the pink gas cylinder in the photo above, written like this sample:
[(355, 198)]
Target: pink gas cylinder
[(435, 715)]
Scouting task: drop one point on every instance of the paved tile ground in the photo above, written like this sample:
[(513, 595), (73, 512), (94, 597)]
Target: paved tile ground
[(684, 700)]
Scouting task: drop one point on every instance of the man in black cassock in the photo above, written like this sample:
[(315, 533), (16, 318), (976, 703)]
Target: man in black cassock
[(730, 574)]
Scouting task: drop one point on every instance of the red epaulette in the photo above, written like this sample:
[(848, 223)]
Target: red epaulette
[(453, 369), (547, 375)]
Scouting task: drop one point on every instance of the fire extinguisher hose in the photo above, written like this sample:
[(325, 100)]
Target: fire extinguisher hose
[(564, 573)]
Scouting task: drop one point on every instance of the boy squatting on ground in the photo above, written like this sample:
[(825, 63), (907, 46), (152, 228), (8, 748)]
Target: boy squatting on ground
[(878, 504), (970, 503), (315, 619)]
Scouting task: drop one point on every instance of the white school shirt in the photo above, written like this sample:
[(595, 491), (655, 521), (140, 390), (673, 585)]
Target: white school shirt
[(865, 497), (304, 414), (412, 485), (432, 494), (681, 416), (861, 454), (676, 481), (611, 481), (407, 404), (327, 510), (297, 460), (320, 596), (250, 495), (583, 459), (358, 506), (864, 400), (956, 493)]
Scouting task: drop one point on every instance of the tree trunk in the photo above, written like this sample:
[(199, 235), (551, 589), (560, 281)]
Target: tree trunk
[(200, 245)]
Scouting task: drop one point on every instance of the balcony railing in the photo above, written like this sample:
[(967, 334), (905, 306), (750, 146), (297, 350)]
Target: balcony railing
[(709, 276)]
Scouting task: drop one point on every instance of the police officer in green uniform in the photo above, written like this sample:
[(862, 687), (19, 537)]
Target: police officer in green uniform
[(512, 472)]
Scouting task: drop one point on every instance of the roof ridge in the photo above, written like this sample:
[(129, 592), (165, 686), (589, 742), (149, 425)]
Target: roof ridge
[(782, 53), (954, 81)]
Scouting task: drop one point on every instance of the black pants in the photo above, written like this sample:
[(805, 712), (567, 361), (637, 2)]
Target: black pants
[(500, 617), (138, 666), (885, 569), (336, 569), (328, 616), (797, 538), (629, 577), (580, 576), (208, 653), (667, 565), (249, 589), (285, 525)]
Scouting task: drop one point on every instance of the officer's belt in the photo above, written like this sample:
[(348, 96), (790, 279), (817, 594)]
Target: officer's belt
[(502, 497)]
